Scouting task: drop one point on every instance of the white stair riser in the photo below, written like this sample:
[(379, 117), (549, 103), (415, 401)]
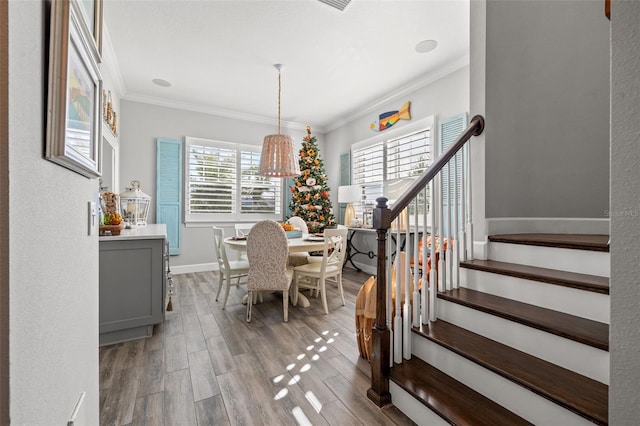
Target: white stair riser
[(414, 409), (510, 395), (585, 304), (582, 359), (580, 261)]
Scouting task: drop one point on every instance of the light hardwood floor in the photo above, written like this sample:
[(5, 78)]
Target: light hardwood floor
[(206, 366)]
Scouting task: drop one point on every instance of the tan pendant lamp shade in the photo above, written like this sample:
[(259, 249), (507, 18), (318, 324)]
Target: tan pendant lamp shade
[(278, 157)]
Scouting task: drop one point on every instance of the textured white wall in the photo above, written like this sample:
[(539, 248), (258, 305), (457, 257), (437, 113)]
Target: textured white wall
[(53, 263), (624, 399)]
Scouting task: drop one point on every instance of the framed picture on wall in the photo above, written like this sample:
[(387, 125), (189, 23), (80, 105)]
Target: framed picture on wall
[(91, 12), (75, 86)]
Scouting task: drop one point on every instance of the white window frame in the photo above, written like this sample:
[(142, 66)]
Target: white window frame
[(205, 219), (427, 123)]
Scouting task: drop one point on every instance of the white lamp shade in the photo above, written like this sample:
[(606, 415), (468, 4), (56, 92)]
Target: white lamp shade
[(349, 194), (278, 157)]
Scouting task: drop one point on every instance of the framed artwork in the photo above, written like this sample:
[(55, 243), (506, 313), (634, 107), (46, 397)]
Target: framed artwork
[(91, 11), (74, 126)]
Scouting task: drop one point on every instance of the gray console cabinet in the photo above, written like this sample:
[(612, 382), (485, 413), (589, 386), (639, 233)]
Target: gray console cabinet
[(132, 284)]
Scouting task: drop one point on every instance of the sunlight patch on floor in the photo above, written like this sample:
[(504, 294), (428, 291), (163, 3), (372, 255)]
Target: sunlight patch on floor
[(315, 403), (300, 417)]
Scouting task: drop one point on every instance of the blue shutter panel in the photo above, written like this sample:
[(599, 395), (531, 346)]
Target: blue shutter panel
[(448, 131), (169, 190)]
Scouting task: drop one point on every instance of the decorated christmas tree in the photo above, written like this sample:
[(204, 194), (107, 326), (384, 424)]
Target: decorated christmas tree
[(309, 192)]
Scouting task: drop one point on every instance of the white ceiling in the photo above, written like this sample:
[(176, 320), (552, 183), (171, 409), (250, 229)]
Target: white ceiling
[(220, 55)]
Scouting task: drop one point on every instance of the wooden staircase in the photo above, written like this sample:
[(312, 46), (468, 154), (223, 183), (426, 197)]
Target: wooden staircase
[(524, 340)]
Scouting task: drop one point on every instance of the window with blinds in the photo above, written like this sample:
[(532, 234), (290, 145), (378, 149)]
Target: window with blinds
[(367, 170), (408, 155), (386, 159), (258, 194), (222, 183)]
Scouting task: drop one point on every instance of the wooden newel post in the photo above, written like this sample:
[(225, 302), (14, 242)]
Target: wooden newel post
[(381, 335)]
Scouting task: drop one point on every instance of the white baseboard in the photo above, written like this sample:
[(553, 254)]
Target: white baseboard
[(199, 267), (550, 225)]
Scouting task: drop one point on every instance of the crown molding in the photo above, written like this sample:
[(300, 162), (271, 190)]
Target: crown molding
[(402, 91), (168, 103), (110, 61)]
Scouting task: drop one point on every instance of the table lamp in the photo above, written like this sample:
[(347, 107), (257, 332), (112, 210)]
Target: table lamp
[(349, 194), (393, 189)]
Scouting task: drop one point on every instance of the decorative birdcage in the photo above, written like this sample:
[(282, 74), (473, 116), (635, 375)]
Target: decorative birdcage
[(134, 205)]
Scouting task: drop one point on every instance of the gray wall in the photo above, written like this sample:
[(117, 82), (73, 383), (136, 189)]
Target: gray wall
[(142, 123), (53, 263), (442, 98), (547, 109), (624, 399)]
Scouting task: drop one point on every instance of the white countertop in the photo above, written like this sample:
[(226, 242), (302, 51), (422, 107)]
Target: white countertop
[(149, 232)]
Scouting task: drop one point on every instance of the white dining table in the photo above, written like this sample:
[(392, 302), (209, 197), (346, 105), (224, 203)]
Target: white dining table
[(296, 245)]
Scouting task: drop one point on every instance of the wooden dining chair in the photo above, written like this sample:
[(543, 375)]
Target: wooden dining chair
[(314, 275), (268, 251), (229, 269), (243, 229), (297, 259)]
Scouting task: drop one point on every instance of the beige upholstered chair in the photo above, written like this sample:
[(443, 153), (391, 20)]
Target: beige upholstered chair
[(228, 268), (314, 275), (268, 250)]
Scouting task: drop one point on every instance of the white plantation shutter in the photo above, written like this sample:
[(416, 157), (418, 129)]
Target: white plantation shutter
[(222, 183), (367, 170), (367, 165), (396, 154), (408, 155), (259, 194)]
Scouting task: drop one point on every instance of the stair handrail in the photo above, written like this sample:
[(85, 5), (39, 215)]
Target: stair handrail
[(382, 218)]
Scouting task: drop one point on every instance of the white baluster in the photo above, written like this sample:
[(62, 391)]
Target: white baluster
[(424, 306), (433, 276), (447, 239), (389, 302), (469, 203), (406, 282), (454, 243), (397, 320), (463, 206), (416, 267), (436, 237)]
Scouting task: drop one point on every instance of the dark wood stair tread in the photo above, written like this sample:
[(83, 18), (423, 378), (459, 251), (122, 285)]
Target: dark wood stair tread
[(588, 332), (592, 242), (586, 282), (455, 402), (579, 394)]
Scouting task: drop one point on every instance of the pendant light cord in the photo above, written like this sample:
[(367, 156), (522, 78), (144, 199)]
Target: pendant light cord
[(279, 90)]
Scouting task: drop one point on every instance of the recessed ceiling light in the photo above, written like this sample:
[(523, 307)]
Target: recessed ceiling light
[(161, 82), (426, 46)]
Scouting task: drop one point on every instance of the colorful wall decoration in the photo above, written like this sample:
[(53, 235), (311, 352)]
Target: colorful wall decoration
[(389, 118)]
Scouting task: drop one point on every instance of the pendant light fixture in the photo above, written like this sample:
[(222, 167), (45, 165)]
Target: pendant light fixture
[(278, 157)]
